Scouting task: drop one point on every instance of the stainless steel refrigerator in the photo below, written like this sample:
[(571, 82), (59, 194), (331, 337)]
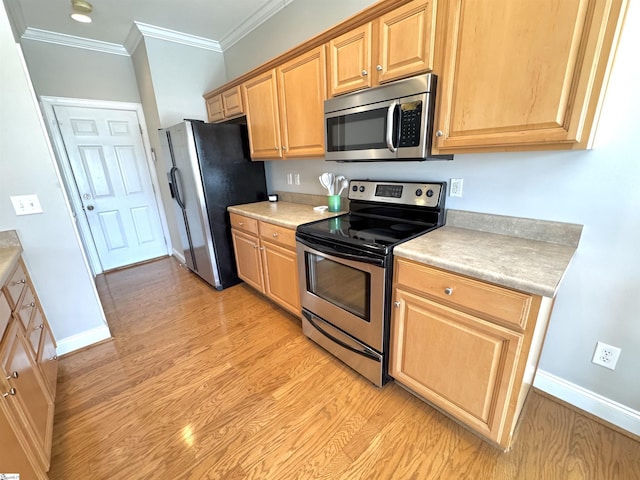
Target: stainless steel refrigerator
[(209, 168)]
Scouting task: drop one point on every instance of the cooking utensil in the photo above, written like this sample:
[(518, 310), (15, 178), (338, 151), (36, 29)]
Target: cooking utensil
[(326, 180), (343, 184)]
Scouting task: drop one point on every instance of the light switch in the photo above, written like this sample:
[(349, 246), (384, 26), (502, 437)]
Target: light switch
[(26, 204)]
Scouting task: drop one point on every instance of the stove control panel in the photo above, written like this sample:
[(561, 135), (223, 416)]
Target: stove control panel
[(402, 193)]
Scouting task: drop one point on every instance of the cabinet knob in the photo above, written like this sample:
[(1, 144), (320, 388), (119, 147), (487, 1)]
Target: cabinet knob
[(13, 374), (379, 68), (12, 391), (364, 73), (448, 291), (275, 235), (41, 326), (241, 223), (255, 246), (19, 282), (439, 133), (284, 148), (55, 357), (277, 149), (396, 304)]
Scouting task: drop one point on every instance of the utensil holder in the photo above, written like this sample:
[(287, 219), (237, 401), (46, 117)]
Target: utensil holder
[(333, 201)]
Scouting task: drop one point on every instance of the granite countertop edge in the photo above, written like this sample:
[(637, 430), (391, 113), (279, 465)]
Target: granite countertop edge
[(284, 214), (10, 252), (531, 266)]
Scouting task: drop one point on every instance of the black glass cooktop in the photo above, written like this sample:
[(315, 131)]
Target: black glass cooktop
[(371, 233)]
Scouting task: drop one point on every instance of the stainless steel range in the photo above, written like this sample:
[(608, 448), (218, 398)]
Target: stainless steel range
[(346, 262)]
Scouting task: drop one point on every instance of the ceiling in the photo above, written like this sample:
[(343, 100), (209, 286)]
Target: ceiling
[(221, 21)]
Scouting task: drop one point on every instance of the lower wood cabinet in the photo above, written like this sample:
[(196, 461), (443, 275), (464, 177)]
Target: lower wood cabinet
[(476, 367), (28, 367), (266, 259)]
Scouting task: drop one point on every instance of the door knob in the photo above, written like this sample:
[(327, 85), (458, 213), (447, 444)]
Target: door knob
[(89, 207)]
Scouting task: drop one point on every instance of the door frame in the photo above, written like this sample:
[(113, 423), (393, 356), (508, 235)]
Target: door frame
[(48, 103)]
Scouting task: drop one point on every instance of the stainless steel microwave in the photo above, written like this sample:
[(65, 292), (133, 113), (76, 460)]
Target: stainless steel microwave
[(386, 123)]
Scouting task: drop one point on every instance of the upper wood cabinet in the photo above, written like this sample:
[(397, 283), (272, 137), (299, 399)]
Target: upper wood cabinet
[(285, 108), (225, 105), (521, 75), (396, 45), (263, 116), (303, 89)]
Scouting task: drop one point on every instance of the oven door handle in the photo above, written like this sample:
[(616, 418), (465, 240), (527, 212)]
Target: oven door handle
[(364, 351), (337, 253)]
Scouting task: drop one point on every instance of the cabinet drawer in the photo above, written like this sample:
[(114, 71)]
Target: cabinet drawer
[(15, 285), (26, 306), (34, 331), (243, 223), (486, 300), (276, 233), (5, 314)]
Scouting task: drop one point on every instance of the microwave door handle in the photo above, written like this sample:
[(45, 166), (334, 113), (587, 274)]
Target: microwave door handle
[(390, 126)]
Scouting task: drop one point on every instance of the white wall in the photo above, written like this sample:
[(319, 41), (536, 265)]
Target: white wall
[(598, 299), (52, 250), (60, 71)]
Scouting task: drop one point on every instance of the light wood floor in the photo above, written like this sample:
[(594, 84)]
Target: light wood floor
[(203, 384)]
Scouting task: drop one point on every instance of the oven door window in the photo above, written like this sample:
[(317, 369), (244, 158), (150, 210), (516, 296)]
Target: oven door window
[(345, 287)]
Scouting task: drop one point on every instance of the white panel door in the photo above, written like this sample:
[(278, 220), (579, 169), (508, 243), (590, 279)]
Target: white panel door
[(110, 169)]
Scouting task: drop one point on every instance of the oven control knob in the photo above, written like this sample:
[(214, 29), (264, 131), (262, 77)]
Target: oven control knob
[(429, 193), (362, 188), (354, 188), (418, 192)]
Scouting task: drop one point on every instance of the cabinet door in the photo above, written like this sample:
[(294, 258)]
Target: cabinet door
[(232, 102), (215, 109), (263, 116), (48, 360), (281, 276), (247, 252), (303, 90), (349, 61), (460, 363), (407, 40), (13, 454), (518, 74), (32, 400)]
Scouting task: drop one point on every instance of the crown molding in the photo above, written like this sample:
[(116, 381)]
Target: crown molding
[(152, 31), (14, 11), (261, 15), (133, 39), (73, 41)]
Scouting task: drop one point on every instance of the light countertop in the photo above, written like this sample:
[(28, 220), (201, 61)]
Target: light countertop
[(10, 251), (285, 214), (523, 254)]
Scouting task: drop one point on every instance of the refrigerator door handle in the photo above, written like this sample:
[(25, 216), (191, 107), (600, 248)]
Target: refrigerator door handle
[(176, 186)]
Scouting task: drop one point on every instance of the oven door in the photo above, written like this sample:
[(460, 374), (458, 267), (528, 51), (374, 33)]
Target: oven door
[(345, 289)]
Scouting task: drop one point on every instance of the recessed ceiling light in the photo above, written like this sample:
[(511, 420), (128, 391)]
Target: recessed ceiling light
[(81, 10)]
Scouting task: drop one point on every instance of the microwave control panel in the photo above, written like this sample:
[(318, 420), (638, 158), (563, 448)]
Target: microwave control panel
[(402, 193), (410, 124)]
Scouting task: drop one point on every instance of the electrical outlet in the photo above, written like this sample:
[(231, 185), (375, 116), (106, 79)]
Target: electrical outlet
[(296, 178), (606, 355), (455, 190), (289, 178)]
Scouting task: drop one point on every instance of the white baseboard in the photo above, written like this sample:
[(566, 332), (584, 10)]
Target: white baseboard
[(81, 340), (593, 403), (179, 256)]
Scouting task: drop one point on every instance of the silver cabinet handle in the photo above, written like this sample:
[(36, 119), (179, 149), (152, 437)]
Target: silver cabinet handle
[(448, 291), (439, 133), (379, 68), (12, 391), (396, 304), (364, 73), (14, 374)]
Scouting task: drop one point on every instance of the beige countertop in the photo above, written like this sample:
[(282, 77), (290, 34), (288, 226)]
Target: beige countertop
[(285, 214), (521, 254), (10, 251)]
